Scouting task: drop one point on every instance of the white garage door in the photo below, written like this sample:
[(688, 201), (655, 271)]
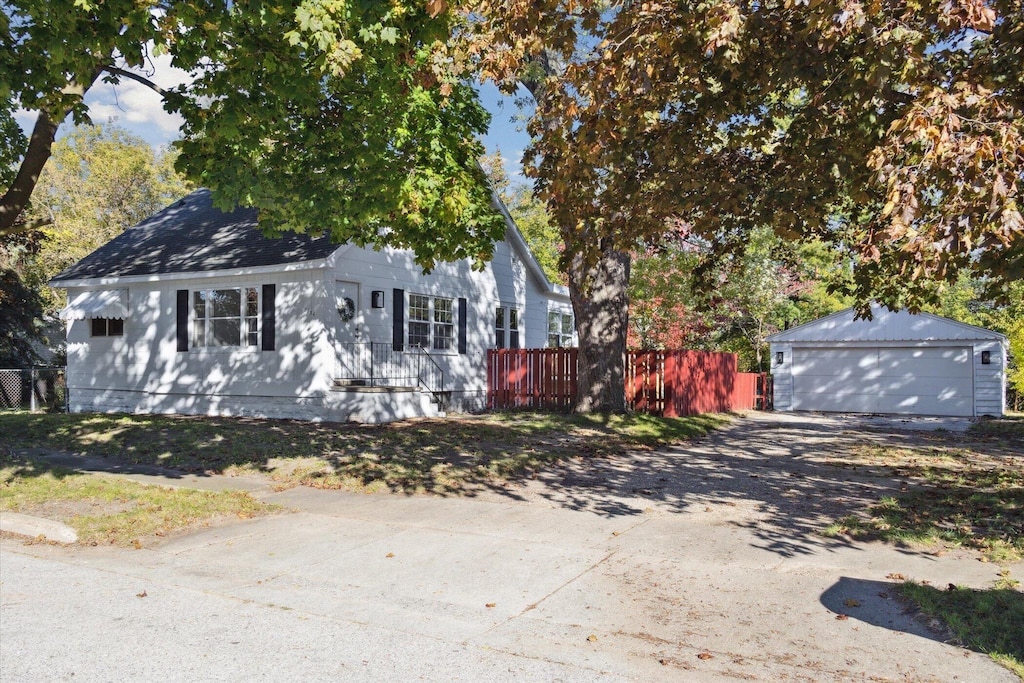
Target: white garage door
[(931, 381)]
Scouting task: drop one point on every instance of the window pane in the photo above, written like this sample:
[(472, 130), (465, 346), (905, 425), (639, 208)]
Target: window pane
[(443, 310), (513, 319), (419, 307), (566, 324), (443, 336), (554, 322), (99, 327), (554, 341), (419, 334), (252, 332), (199, 304), (252, 302), (499, 317), (115, 327), (226, 303), (225, 332), (199, 333), (513, 340), (499, 339)]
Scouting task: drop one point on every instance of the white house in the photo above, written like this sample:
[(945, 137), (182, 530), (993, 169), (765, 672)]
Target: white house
[(896, 363), (194, 311)]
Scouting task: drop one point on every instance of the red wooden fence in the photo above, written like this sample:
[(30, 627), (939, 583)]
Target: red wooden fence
[(667, 383)]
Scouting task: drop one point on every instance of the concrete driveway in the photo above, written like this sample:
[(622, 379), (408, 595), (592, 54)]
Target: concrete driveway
[(696, 563)]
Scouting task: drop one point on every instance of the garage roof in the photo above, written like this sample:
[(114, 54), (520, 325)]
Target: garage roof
[(885, 326)]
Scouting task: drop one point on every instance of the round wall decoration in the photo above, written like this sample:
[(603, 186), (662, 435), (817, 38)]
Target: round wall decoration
[(347, 309)]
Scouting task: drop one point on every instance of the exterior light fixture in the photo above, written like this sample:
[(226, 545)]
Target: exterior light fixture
[(377, 298), (778, 357), (986, 357)]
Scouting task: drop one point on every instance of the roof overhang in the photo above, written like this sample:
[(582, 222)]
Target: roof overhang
[(315, 264), (97, 303)]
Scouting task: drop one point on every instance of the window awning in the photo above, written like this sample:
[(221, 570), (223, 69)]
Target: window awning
[(104, 303)]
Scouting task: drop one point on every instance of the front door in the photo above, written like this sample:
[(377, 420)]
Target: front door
[(349, 325)]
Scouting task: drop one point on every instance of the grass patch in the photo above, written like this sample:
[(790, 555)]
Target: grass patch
[(1011, 427), (962, 497), (113, 510), (441, 456), (990, 621)]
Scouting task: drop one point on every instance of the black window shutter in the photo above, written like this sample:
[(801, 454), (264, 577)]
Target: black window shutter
[(398, 319), (268, 318), (182, 320), (462, 325)]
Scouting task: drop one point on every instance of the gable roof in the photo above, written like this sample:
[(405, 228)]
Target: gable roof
[(192, 236), (885, 326)]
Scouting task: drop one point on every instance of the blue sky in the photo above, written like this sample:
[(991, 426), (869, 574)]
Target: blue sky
[(140, 111)]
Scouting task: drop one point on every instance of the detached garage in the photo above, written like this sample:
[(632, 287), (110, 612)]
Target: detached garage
[(896, 363)]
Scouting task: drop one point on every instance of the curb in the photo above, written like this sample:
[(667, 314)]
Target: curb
[(26, 525)]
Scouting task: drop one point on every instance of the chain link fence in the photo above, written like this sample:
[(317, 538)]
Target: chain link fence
[(33, 389)]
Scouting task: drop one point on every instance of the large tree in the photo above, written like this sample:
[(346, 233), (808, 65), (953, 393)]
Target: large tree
[(349, 118), (891, 130)]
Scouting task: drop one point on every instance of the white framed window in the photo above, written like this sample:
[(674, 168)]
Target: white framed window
[(559, 329), (106, 327), (431, 322), (506, 327), (226, 317)]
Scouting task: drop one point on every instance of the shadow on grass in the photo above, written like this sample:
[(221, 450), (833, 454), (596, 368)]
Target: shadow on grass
[(437, 456), (989, 620)]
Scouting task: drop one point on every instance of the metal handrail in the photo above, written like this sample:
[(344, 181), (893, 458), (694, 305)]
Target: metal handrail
[(431, 367), (377, 364)]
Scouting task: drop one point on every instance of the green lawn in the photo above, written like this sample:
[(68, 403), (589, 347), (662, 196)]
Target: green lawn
[(442, 456), (113, 510)]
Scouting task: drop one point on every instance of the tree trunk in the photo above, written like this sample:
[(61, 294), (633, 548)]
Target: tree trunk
[(40, 144), (16, 198), (600, 302)]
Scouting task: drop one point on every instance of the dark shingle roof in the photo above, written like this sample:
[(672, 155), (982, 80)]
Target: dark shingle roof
[(191, 236)]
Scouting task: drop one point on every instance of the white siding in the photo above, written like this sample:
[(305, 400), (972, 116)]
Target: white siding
[(143, 371)]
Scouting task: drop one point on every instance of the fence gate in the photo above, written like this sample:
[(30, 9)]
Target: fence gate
[(33, 389)]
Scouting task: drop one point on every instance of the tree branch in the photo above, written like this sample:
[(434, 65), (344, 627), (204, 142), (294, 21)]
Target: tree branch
[(33, 224), (118, 71)]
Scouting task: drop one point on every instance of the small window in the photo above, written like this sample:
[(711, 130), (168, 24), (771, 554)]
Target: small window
[(506, 327), (107, 327), (559, 329)]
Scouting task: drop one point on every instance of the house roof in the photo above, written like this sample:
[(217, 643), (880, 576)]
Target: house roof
[(192, 236), (885, 326)]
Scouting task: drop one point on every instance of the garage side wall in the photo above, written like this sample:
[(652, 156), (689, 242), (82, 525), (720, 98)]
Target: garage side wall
[(990, 379)]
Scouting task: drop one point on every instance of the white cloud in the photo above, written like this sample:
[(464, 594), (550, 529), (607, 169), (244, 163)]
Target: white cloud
[(137, 107)]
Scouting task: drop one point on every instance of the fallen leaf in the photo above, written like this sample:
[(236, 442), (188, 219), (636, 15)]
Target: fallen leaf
[(842, 617), (592, 638), (850, 602), (390, 555), (491, 604), (137, 544), (705, 655), (141, 595), (896, 577)]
